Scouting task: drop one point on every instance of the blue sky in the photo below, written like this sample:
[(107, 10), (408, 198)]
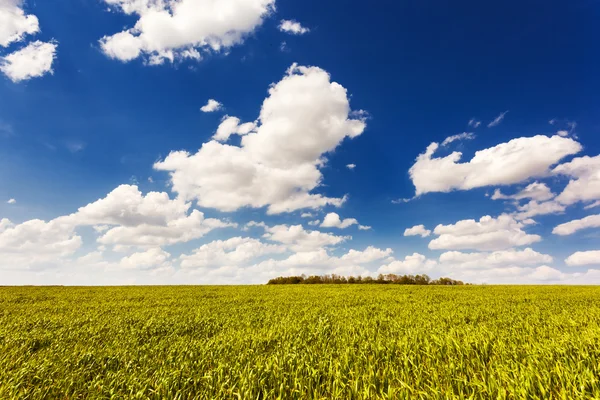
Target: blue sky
[(95, 97)]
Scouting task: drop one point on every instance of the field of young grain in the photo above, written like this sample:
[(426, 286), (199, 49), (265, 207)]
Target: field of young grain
[(300, 342)]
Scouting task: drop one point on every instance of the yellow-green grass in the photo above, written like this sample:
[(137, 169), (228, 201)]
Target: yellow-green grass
[(300, 342)]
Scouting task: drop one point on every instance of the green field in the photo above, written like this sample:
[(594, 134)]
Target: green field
[(300, 342)]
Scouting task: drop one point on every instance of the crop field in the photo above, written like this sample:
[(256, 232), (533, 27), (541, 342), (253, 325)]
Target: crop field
[(300, 342)]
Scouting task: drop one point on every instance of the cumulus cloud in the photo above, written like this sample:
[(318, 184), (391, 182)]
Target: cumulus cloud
[(414, 264), (298, 239), (504, 164), (534, 208), (569, 228), (583, 258), (12, 201), (15, 23), (148, 221), (534, 191), (585, 186), (498, 120), (333, 220), (234, 252), (231, 126), (351, 166), (179, 29), (496, 259), (487, 234), (36, 243), (211, 106), (32, 61), (460, 136), (277, 165), (307, 215), (149, 259), (418, 230), (292, 27)]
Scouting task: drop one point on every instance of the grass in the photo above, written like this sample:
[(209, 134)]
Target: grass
[(300, 342)]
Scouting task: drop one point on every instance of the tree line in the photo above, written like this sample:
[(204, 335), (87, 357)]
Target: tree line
[(381, 279)]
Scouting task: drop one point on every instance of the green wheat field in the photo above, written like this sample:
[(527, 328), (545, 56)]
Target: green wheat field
[(300, 342)]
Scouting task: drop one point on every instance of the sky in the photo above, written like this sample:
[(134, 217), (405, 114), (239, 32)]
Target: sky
[(234, 141)]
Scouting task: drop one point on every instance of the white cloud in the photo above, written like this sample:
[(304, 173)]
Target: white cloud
[(460, 136), (292, 27), (504, 164), (36, 243), (569, 228), (211, 106), (256, 224), (563, 133), (535, 191), (534, 208), (418, 230), (235, 251), (150, 259), (583, 258), (586, 183), (14, 23), (148, 221), (333, 220), (415, 264), (314, 223), (231, 126), (351, 166), (11, 201), (473, 123), (277, 165), (498, 120), (592, 205), (307, 215), (496, 259), (298, 239), (32, 61), (172, 29), (487, 234)]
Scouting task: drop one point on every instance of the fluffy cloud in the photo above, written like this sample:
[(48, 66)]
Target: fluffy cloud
[(415, 264), (418, 230), (32, 61), (36, 243), (11, 201), (583, 258), (298, 239), (351, 166), (307, 215), (498, 120), (305, 116), (231, 126), (211, 106), (234, 251), (292, 27), (460, 136), (534, 191), (533, 208), (504, 164), (149, 259), (494, 260), (171, 29), (333, 220), (586, 185), (14, 23), (128, 218), (569, 228), (487, 234)]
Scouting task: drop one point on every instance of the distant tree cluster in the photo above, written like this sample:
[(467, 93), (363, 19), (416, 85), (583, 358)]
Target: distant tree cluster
[(381, 279)]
